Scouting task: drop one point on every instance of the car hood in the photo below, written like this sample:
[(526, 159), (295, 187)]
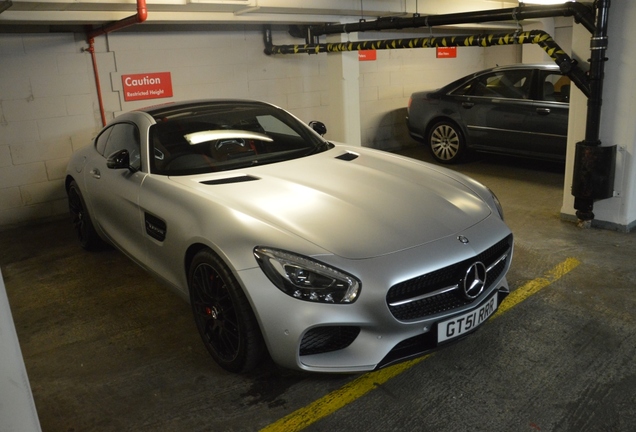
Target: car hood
[(352, 202)]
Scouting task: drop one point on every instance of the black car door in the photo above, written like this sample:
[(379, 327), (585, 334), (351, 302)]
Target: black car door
[(494, 107), (549, 119)]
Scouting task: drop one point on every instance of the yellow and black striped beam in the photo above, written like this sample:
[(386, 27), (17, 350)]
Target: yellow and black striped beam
[(537, 37)]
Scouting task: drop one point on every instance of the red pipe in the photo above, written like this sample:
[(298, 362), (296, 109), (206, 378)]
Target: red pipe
[(138, 18), (141, 16), (91, 49)]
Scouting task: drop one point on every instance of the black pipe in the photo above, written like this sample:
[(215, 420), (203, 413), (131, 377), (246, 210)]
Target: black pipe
[(598, 47), (581, 13), (594, 165), (567, 65)]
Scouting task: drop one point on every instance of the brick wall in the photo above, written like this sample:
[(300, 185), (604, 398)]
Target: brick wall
[(46, 108), (49, 108)]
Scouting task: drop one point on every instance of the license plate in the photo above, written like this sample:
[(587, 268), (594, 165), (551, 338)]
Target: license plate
[(462, 324)]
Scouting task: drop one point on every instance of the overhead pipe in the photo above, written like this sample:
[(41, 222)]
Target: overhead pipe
[(567, 65), (138, 18), (581, 13), (594, 164)]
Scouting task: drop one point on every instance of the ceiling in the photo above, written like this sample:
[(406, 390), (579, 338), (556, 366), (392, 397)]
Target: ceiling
[(99, 12)]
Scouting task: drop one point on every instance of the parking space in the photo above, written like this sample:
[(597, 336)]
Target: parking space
[(106, 347)]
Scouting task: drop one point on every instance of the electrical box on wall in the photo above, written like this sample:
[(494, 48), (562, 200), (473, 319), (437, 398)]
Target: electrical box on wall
[(594, 168)]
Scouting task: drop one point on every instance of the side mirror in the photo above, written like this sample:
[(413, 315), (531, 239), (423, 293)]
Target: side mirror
[(318, 127), (119, 160)]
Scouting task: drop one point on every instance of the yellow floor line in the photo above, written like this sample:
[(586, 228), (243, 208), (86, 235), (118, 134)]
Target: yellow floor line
[(535, 285), (327, 405)]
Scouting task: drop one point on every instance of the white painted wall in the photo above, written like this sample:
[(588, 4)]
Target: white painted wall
[(48, 104), (49, 108), (617, 118), (387, 83), (17, 407), (226, 62)]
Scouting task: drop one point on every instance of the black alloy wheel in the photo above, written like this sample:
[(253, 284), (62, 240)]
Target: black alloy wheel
[(446, 142), (223, 315), (86, 234)]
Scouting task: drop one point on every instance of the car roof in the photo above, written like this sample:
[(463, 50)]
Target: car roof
[(545, 66), (173, 109), (517, 66)]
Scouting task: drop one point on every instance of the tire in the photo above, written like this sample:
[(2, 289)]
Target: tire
[(223, 314), (446, 142), (81, 220)]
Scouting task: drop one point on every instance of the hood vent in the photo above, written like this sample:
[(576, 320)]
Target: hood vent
[(230, 180), (347, 156)]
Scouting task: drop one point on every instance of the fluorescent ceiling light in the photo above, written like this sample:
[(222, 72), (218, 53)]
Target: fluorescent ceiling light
[(209, 135), (544, 2)]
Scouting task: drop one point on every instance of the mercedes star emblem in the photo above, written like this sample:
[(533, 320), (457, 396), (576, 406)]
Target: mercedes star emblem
[(475, 280)]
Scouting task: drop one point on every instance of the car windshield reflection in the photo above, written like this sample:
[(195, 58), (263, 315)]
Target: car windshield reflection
[(221, 137)]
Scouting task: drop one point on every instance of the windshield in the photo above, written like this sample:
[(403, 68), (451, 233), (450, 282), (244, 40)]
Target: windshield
[(215, 137)]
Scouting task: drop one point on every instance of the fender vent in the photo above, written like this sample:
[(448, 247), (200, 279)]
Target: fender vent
[(229, 180), (155, 227), (347, 156)]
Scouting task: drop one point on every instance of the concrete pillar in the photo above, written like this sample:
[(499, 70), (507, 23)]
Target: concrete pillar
[(343, 71), (578, 115), (617, 118)]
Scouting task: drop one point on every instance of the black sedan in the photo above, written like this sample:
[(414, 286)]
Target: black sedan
[(519, 110)]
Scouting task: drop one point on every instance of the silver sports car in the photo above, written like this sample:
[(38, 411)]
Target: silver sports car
[(330, 258)]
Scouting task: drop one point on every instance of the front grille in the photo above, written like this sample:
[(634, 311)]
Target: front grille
[(420, 344), (320, 340), (426, 285)]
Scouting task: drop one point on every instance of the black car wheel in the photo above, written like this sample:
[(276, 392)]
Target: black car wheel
[(86, 234), (447, 143), (223, 314)]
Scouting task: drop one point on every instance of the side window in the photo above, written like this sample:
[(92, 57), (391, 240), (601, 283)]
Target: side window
[(273, 125), (125, 136), (464, 90), (100, 144), (513, 84), (555, 87)]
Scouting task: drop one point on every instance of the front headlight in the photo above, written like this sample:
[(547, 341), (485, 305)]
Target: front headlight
[(305, 278)]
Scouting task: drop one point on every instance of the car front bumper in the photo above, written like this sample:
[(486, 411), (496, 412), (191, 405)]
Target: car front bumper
[(369, 333)]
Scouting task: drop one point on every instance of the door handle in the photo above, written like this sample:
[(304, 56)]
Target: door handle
[(468, 104), (543, 111), (95, 173)]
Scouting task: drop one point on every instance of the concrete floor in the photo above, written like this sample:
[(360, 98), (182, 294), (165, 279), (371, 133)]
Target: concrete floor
[(109, 349)]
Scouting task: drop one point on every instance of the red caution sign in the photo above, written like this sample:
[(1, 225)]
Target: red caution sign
[(154, 85), (446, 52), (367, 55)]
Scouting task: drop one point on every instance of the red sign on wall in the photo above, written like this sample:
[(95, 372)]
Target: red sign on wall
[(367, 55), (154, 85), (446, 52)]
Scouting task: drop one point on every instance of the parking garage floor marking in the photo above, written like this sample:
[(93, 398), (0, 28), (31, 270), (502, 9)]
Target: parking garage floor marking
[(327, 405)]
